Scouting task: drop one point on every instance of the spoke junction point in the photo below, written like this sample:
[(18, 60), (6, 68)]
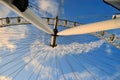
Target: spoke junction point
[(108, 37), (54, 36)]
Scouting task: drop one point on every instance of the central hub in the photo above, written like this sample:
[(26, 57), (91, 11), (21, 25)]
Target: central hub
[(54, 36)]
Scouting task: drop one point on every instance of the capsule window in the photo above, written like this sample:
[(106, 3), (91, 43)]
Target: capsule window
[(102, 33), (18, 20), (1, 23), (7, 20), (112, 37)]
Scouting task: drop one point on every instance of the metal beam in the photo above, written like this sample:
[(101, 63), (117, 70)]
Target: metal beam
[(54, 36), (110, 38)]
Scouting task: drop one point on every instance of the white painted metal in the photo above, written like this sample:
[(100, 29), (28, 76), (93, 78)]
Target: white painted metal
[(90, 28), (116, 16)]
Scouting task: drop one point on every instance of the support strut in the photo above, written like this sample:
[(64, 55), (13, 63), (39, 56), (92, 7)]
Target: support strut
[(54, 36)]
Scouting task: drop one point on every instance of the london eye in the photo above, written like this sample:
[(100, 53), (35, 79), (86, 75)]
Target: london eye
[(40, 53)]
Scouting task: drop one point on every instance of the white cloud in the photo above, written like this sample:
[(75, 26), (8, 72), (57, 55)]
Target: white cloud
[(38, 67), (41, 50), (46, 73), (0, 59), (4, 11), (82, 75), (74, 48), (92, 74), (108, 49), (108, 77), (115, 76), (9, 34), (5, 78), (50, 6)]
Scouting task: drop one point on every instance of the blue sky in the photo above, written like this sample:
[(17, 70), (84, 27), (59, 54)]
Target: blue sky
[(25, 53)]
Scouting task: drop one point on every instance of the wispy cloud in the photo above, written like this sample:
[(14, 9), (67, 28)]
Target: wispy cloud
[(41, 50), (38, 67), (82, 76), (4, 11), (9, 35), (0, 59), (92, 74), (108, 49), (5, 78), (51, 6), (73, 48)]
